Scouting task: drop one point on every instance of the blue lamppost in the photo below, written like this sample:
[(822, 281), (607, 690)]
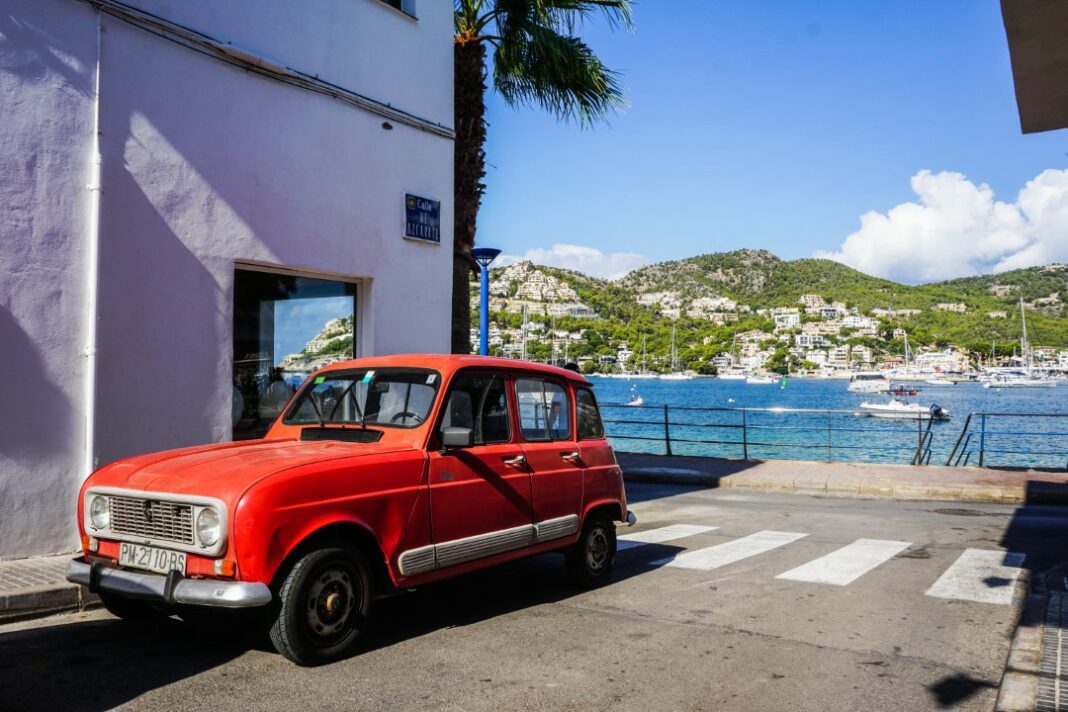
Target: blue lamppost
[(484, 255)]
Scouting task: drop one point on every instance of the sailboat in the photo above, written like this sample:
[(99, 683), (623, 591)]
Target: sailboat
[(733, 373), (676, 374), (1015, 377), (644, 373)]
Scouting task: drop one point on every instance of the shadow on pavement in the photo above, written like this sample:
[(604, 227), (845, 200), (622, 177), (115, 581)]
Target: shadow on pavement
[(100, 664), (1038, 530), (97, 665), (483, 595), (956, 688)]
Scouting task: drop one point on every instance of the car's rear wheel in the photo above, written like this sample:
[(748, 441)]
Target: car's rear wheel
[(590, 560), (323, 606), (131, 609)]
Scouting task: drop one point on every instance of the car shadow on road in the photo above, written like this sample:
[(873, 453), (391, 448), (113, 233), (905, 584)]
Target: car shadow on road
[(482, 595), (97, 665)]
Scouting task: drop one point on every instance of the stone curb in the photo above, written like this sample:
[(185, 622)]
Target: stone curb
[(834, 487), (1018, 691), (39, 601)]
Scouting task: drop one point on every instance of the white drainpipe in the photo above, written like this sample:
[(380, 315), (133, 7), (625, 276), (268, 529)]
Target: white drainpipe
[(92, 272)]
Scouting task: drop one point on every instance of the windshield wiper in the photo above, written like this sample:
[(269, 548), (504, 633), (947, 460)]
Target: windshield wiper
[(359, 411)]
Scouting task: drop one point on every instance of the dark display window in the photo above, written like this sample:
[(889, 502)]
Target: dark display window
[(285, 327)]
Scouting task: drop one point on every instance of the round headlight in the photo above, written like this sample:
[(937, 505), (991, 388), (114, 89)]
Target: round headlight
[(208, 527), (98, 512)]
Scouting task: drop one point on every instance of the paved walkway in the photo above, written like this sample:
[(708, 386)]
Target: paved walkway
[(38, 586), (967, 484)]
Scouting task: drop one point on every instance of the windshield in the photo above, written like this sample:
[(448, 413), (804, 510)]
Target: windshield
[(398, 398)]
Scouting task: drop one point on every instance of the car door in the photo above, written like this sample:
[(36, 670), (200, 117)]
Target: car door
[(600, 473), (479, 495), (545, 425)]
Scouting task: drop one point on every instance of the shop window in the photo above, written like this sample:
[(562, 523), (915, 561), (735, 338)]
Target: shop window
[(285, 327)]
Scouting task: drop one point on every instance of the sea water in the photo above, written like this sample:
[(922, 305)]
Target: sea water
[(849, 436)]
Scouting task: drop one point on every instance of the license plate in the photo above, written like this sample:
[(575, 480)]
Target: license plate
[(150, 558)]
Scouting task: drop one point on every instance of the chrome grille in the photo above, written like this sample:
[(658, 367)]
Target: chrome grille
[(151, 518)]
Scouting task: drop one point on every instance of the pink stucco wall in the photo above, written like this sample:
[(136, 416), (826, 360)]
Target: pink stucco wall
[(205, 165)]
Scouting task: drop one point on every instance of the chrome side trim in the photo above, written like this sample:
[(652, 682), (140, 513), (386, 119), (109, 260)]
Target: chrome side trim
[(417, 561), (458, 551), (153, 587), (556, 528)]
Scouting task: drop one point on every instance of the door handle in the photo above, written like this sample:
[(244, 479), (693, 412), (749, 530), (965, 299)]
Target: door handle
[(517, 461), (570, 456)]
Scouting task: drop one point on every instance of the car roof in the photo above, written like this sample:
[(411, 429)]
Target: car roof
[(450, 363)]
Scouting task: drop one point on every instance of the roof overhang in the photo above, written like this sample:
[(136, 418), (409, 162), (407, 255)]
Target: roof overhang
[(1037, 31)]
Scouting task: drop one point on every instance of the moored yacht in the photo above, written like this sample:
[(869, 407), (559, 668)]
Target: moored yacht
[(869, 382)]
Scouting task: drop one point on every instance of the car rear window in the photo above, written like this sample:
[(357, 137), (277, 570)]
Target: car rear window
[(590, 426)]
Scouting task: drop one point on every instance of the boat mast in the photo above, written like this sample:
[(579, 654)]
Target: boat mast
[(524, 354), (674, 358), (1025, 348)]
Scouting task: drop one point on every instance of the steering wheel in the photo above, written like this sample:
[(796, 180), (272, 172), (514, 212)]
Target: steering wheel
[(406, 414)]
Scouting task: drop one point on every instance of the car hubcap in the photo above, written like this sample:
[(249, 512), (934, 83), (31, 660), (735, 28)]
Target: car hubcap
[(597, 549), (331, 601)]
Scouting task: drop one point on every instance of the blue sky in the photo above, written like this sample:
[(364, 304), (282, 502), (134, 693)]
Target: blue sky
[(778, 125)]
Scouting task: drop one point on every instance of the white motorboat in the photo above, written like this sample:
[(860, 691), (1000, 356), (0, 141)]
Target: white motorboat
[(901, 409), (1017, 379), (675, 376), (940, 382), (761, 380), (869, 382), (732, 376), (636, 400)]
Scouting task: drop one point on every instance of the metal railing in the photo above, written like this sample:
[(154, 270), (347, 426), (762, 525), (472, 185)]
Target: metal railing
[(1011, 447), (768, 433)]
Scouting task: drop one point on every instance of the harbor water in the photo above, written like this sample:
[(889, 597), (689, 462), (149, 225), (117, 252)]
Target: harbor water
[(845, 436)]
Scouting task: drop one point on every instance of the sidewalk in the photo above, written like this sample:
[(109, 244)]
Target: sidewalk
[(38, 587), (835, 479)]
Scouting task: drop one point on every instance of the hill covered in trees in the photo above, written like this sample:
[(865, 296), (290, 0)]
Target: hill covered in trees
[(711, 298)]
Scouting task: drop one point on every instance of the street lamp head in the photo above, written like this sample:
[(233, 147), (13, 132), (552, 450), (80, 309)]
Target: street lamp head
[(485, 255)]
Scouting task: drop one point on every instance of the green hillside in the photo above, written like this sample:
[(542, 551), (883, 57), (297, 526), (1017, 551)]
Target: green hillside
[(757, 279)]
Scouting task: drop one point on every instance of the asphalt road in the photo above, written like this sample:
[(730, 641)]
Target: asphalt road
[(761, 602)]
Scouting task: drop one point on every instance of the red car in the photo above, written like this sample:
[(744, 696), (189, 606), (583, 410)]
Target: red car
[(380, 474)]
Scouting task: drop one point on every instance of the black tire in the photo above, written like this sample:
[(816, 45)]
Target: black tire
[(590, 560), (131, 609), (323, 606)]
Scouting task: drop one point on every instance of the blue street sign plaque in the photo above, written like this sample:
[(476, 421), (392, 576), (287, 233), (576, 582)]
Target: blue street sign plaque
[(422, 219)]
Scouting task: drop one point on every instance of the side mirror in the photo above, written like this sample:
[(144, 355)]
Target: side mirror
[(457, 437)]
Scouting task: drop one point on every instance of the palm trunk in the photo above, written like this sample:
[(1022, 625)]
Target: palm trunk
[(469, 161)]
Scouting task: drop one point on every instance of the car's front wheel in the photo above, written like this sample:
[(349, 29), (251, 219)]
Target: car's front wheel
[(590, 560), (323, 606)]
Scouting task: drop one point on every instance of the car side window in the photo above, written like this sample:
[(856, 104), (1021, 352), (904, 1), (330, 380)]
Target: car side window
[(479, 402), (590, 426), (544, 410)]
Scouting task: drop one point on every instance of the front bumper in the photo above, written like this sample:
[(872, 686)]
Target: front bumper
[(170, 589)]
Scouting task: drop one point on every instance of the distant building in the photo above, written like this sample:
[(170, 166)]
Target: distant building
[(813, 301), (954, 307)]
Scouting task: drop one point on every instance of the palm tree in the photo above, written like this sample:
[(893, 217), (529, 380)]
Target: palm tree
[(537, 60)]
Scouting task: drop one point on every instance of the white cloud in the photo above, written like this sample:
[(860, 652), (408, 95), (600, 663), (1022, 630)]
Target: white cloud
[(587, 260), (957, 228)]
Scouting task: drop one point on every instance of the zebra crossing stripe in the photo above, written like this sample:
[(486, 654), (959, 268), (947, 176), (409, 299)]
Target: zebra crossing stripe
[(847, 564), (980, 575), (729, 552), (660, 535)]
